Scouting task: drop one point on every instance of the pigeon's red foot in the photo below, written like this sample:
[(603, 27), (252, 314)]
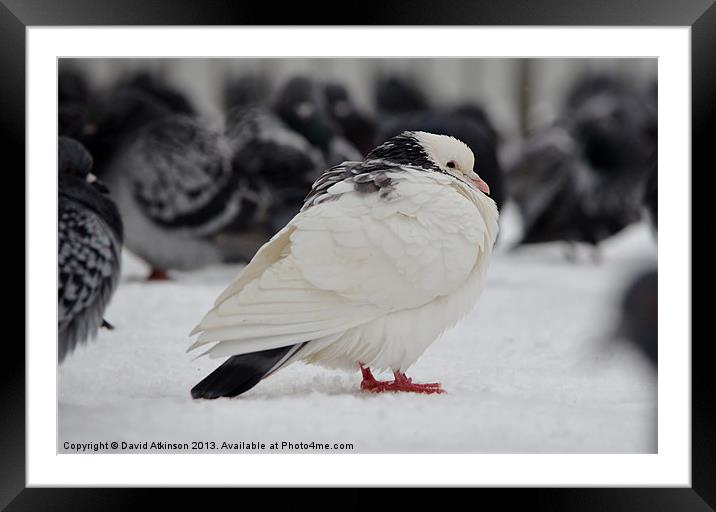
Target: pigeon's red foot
[(402, 383), (369, 383), (158, 274)]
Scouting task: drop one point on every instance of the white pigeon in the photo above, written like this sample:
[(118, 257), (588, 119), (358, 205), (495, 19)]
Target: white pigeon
[(385, 255)]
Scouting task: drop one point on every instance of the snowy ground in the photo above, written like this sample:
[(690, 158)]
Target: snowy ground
[(532, 369)]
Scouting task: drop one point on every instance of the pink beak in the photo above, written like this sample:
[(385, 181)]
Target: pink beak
[(484, 187)]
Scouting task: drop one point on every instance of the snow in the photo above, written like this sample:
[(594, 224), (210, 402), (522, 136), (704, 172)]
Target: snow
[(533, 369)]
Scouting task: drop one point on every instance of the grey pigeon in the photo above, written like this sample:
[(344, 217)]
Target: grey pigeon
[(89, 248), (275, 168), (175, 189)]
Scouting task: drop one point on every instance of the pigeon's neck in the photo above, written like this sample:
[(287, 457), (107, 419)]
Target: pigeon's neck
[(403, 150)]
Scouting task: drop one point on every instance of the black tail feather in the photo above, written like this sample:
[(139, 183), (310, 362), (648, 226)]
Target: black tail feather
[(238, 374)]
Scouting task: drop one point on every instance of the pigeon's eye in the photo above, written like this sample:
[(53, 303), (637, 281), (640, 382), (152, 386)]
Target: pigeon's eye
[(451, 164), (305, 110)]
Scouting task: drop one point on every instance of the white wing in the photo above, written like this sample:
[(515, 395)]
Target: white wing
[(345, 262)]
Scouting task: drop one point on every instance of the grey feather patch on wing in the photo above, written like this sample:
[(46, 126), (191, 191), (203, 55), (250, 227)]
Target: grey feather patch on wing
[(252, 125), (181, 177), (366, 177)]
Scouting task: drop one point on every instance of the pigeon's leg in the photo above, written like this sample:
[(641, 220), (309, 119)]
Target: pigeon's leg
[(404, 383), (369, 383), (571, 252), (158, 274)]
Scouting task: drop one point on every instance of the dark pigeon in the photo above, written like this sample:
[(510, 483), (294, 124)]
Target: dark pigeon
[(301, 104), (244, 91), (89, 248), (640, 315), (73, 100), (357, 126), (274, 167), (583, 178), (396, 95)]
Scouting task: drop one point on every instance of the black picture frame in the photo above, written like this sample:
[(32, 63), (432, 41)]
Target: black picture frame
[(17, 15)]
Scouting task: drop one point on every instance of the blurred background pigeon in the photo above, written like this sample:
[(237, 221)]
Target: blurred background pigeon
[(582, 179), (161, 92), (117, 114), (651, 196), (639, 320), (89, 248), (358, 126), (74, 95), (651, 191), (545, 182), (397, 95), (174, 186), (611, 121), (301, 104), (273, 166), (581, 176), (477, 114), (247, 90)]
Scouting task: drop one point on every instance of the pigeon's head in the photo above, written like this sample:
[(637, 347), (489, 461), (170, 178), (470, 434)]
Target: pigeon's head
[(613, 131), (338, 99), (301, 105), (76, 182), (440, 153), (74, 163), (399, 95)]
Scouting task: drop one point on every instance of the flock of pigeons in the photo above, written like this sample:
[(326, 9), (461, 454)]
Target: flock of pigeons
[(593, 171), (139, 167)]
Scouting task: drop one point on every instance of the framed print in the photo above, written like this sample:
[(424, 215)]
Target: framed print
[(415, 247)]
